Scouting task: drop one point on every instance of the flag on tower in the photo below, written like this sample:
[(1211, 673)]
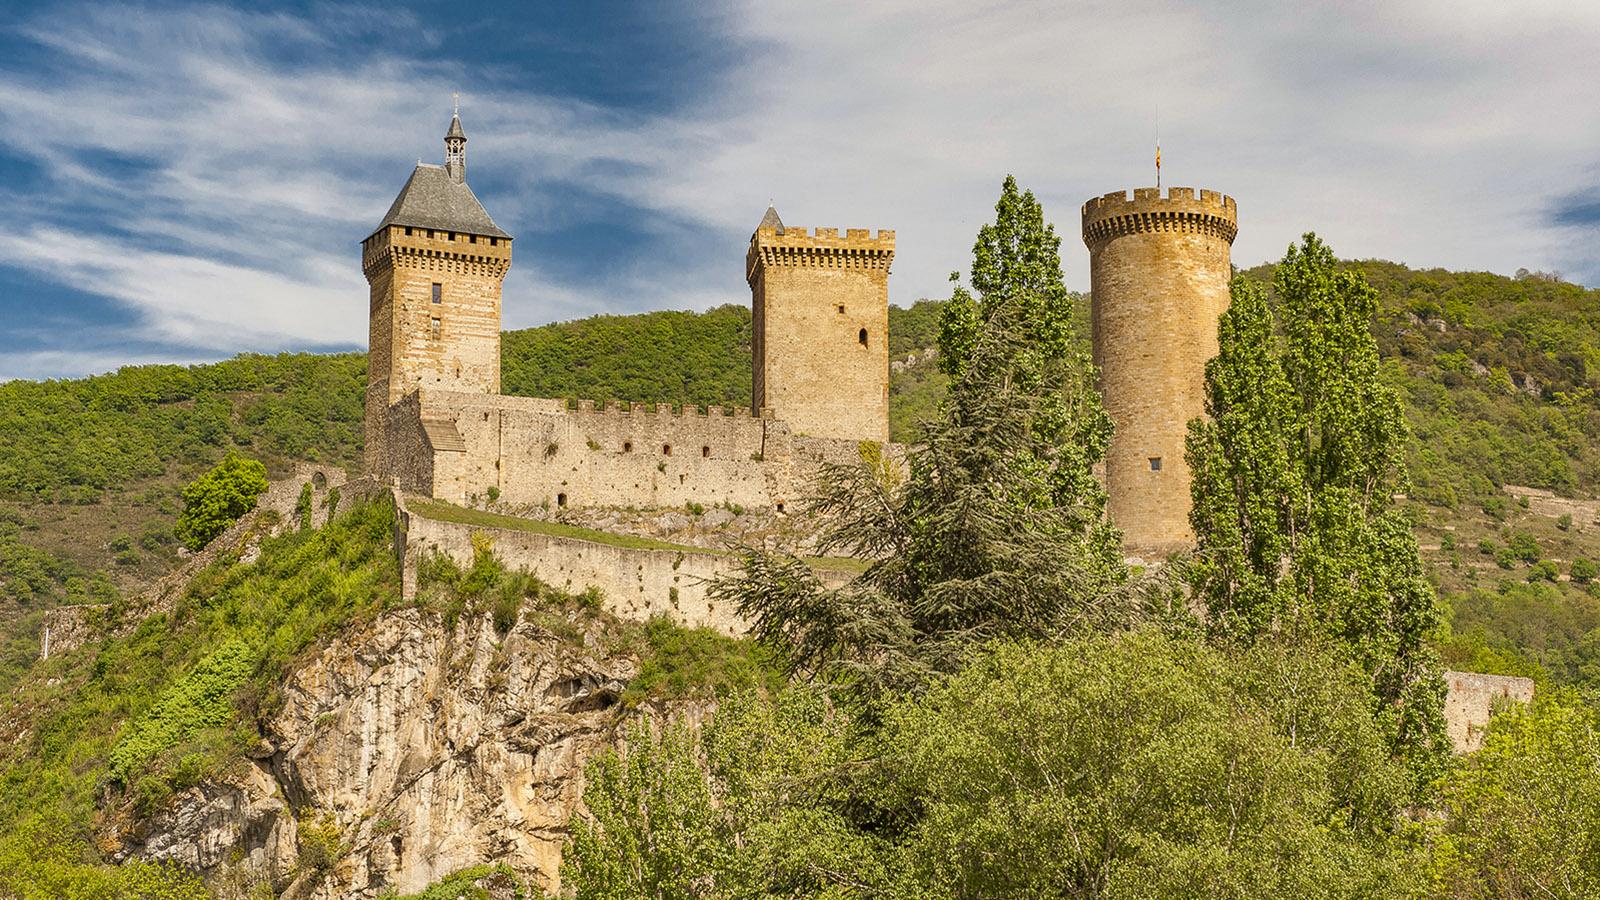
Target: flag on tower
[(1158, 164)]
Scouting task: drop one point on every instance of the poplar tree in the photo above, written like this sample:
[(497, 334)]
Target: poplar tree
[(1297, 468)]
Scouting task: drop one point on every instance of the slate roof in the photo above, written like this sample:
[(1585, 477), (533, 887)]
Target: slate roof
[(455, 129), (432, 199), (771, 220), (442, 434)]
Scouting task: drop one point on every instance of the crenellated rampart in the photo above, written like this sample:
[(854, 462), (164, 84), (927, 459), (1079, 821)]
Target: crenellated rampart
[(460, 446), (1112, 215)]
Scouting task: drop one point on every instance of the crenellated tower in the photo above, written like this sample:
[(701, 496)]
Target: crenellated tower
[(1159, 268), (435, 266), (821, 322)]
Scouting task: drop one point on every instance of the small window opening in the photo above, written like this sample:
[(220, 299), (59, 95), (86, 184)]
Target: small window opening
[(666, 449), (841, 309), (627, 446), (780, 506), (861, 337), (430, 232), (408, 231), (1155, 463), (438, 292), (486, 417), (472, 239), (436, 327), (494, 242), (705, 452), (561, 499)]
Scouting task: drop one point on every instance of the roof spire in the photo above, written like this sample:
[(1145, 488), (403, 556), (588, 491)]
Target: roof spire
[(771, 220), (455, 145)]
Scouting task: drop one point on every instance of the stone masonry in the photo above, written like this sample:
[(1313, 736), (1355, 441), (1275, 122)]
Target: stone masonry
[(1159, 270)]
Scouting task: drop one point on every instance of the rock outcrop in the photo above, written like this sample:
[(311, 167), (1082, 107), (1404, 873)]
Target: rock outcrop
[(404, 752)]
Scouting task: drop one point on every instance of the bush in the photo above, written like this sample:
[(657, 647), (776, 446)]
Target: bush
[(1544, 570), (1583, 570), (1524, 546), (218, 498)]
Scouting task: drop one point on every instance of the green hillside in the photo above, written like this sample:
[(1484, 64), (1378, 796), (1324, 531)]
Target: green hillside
[(1499, 375)]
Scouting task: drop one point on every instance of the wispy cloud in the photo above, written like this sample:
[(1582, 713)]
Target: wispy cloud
[(212, 169)]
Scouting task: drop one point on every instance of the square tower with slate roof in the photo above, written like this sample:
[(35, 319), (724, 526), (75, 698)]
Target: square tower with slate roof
[(435, 265)]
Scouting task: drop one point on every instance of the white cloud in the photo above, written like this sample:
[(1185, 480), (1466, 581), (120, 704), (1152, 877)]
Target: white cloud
[(1432, 132)]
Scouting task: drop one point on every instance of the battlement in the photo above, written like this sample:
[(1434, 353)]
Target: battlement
[(429, 248), (664, 410), (1181, 210), (824, 248)]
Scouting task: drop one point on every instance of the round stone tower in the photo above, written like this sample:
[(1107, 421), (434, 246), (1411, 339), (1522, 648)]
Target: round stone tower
[(1159, 270)]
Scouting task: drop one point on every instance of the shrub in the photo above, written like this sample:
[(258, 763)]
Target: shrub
[(1583, 570), (1564, 522), (1544, 570), (1524, 546), (218, 498)]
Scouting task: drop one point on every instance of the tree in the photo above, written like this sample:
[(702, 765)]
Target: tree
[(218, 498), (748, 807), (1131, 765), (1523, 812), (1296, 468), (996, 525), (1135, 765)]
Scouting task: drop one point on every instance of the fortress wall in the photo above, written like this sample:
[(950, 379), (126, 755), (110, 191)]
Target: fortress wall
[(1471, 699), (636, 583), (538, 451)]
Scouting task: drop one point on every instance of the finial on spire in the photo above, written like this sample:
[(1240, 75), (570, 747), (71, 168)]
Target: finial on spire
[(455, 96), (455, 145)]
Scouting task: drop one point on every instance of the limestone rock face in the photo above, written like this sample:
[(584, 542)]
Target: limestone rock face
[(423, 750)]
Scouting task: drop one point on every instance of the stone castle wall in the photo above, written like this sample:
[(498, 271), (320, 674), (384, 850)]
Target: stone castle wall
[(1471, 699), (1159, 271), (821, 319), (635, 583), (540, 452)]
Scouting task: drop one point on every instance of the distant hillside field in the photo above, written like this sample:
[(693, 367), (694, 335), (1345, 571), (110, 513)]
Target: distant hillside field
[(1499, 377)]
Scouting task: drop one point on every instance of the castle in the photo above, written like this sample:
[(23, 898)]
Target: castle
[(437, 425)]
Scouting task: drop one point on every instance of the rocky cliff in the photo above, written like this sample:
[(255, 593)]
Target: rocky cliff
[(403, 752)]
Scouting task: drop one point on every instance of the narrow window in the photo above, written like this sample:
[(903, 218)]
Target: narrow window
[(780, 506), (430, 232), (436, 327), (861, 337), (705, 452), (494, 242), (408, 231), (561, 499), (666, 449), (1155, 463), (472, 238), (841, 309), (627, 446), (438, 292)]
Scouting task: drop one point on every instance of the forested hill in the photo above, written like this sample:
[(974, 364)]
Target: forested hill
[(1499, 375)]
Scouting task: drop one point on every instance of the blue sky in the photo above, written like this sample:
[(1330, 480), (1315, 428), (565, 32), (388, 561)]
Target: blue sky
[(182, 182)]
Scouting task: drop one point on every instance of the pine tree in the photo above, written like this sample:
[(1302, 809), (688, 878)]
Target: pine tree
[(998, 527), (1296, 471)]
